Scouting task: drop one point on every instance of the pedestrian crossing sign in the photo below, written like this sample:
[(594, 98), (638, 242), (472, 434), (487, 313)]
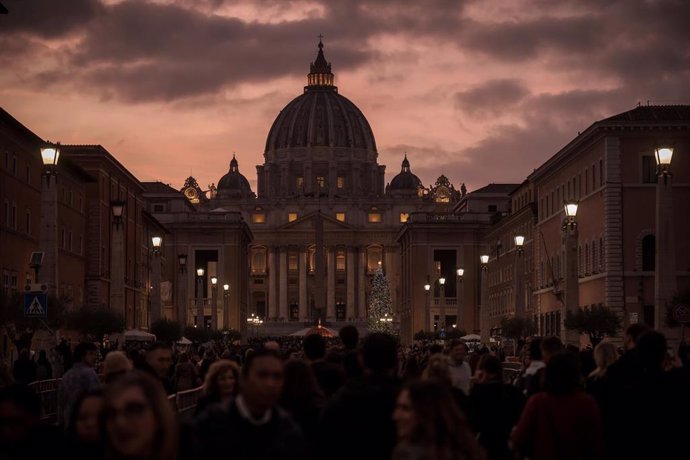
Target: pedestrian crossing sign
[(35, 305)]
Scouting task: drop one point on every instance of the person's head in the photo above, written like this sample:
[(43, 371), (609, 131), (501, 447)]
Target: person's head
[(489, 369), (435, 348), (562, 373), (632, 334), (85, 419), (20, 411), (314, 347), (183, 358), (300, 384), (349, 336), (262, 379), (115, 364), (605, 354), (222, 379), (272, 345), (550, 346), (86, 352), (458, 350), (438, 368), (159, 357), (138, 419), (535, 349), (379, 353), (651, 348), (426, 414)]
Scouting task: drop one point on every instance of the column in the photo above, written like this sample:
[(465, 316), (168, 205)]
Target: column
[(484, 307), (303, 310), (182, 302), (282, 299), (48, 234), (272, 307), (572, 285), (350, 267), (460, 294), (665, 258), (117, 271), (519, 284), (156, 291), (330, 289), (214, 306), (361, 284), (332, 180)]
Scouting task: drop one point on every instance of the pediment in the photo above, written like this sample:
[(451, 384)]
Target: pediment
[(306, 223)]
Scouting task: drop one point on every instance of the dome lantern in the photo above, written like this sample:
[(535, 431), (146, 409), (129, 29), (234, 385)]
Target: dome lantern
[(320, 74)]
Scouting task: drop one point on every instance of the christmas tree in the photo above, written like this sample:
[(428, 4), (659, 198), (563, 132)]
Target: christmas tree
[(380, 304)]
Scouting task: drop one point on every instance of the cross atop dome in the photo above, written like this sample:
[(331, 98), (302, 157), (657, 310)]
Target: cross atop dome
[(320, 74)]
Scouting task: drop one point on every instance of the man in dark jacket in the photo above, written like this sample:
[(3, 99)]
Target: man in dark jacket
[(358, 423), (252, 426)]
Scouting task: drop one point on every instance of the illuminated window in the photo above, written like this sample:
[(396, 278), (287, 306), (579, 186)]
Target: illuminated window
[(340, 261), (340, 216), (374, 258), (374, 217), (292, 216), (404, 216), (341, 182), (292, 261), (259, 218), (320, 181), (259, 261), (299, 183)]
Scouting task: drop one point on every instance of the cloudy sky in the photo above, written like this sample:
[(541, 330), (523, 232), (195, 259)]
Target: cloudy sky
[(482, 91)]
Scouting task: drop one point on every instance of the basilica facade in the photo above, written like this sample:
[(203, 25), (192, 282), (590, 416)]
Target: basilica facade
[(320, 223)]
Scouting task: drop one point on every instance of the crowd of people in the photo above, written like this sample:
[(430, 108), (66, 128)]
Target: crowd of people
[(345, 398)]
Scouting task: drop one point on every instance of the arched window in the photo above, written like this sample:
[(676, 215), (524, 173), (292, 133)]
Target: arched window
[(259, 260), (374, 258), (648, 253), (595, 264)]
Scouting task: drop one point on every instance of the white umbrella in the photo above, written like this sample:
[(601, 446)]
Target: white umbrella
[(471, 338), (184, 341), (142, 336)]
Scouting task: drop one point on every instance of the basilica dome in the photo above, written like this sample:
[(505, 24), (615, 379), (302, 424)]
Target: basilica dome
[(320, 117), (405, 182), (234, 184)]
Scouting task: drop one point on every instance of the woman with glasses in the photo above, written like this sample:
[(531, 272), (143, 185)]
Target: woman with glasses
[(138, 420)]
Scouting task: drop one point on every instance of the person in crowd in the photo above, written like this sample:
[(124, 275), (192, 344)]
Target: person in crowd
[(79, 379), (252, 426), (185, 373), (628, 366), (138, 420), (221, 385), (329, 375), (44, 370), (548, 346), (605, 355), (115, 364), (24, 370), (84, 437), (349, 335), (159, 362), (360, 412), (302, 396), (494, 408), (6, 378), (460, 370), (411, 370), (439, 368), (562, 422), (22, 435), (209, 358), (430, 426), (646, 410)]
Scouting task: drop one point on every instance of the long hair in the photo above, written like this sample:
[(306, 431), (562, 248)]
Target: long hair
[(441, 427), (166, 445), (605, 354), (438, 368), (217, 369)]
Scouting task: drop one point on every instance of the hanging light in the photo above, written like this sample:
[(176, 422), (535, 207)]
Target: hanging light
[(427, 286), (199, 272), (460, 272), (571, 209), (156, 241), (484, 259), (519, 241), (442, 280)]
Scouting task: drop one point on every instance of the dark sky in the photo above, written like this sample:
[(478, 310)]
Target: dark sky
[(482, 91)]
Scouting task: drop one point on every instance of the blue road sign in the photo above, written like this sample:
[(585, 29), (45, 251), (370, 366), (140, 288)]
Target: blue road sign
[(35, 304)]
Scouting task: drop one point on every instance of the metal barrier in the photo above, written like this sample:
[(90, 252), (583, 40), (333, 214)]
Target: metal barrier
[(186, 400), (47, 391)]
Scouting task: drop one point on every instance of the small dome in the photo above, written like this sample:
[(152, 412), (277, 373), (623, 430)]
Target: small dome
[(405, 181), (234, 184)]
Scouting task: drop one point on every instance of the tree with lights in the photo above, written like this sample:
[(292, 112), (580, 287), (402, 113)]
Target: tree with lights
[(380, 304)]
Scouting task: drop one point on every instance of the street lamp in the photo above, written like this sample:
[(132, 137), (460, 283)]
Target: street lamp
[(199, 297), (182, 261), (117, 207), (572, 288), (484, 302), (182, 304), (226, 300), (214, 303), (117, 259), (427, 321), (442, 306), (156, 304), (665, 260), (459, 289), (519, 276), (50, 154)]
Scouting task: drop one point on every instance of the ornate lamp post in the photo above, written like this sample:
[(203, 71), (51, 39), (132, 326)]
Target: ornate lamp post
[(117, 262), (156, 307), (226, 300), (665, 261), (572, 288), (427, 308), (519, 275), (50, 154), (182, 289), (214, 303), (460, 272), (200, 297), (442, 306), (484, 301)]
